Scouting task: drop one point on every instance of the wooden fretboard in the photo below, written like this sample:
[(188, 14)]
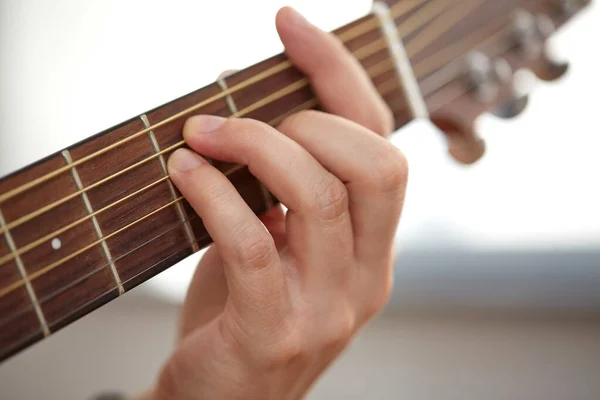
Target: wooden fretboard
[(89, 223)]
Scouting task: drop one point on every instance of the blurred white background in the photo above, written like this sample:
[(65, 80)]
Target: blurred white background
[(519, 231)]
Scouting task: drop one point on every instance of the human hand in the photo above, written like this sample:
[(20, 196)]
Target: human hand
[(275, 300)]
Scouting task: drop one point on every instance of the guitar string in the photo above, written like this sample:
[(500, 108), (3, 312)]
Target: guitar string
[(52, 266), (397, 10), (361, 53), (6, 319), (289, 89), (446, 57), (83, 306), (6, 290), (307, 105), (61, 290), (432, 32)]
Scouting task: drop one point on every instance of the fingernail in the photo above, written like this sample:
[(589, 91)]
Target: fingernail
[(205, 123), (184, 160)]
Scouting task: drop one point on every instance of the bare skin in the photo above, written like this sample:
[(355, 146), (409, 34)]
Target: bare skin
[(276, 299)]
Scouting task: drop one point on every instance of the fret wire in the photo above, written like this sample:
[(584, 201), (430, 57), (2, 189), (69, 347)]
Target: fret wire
[(6, 290), (233, 109), (368, 50), (25, 280), (59, 320), (137, 248), (289, 89), (62, 289), (56, 264), (250, 81), (115, 260), (76, 223), (57, 203), (60, 262), (276, 95), (172, 191), (88, 206), (48, 298), (74, 311)]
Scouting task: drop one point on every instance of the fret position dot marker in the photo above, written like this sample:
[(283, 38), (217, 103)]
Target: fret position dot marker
[(56, 243)]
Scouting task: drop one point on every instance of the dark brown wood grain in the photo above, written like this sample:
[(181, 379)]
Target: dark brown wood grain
[(137, 247)]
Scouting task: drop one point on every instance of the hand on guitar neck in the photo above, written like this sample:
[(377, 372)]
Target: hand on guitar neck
[(277, 298)]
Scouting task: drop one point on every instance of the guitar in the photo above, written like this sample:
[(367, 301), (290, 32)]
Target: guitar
[(89, 223)]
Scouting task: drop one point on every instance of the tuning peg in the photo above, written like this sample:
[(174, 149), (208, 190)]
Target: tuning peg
[(463, 143), (531, 34), (512, 107), (527, 34), (482, 76)]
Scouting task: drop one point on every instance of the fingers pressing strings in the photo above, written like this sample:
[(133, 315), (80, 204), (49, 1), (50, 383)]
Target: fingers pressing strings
[(269, 99), (317, 201), (355, 32)]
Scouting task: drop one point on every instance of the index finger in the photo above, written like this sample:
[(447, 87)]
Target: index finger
[(342, 85)]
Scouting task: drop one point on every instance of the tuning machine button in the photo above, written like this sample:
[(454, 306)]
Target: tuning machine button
[(486, 76), (518, 101), (527, 34), (512, 107)]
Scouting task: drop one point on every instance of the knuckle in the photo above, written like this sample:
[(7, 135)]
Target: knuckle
[(289, 350), (331, 199), (256, 248), (389, 169), (340, 329)]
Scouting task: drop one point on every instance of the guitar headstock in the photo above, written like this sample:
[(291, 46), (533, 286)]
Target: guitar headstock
[(483, 52)]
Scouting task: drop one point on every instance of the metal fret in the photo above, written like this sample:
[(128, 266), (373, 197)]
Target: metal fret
[(23, 272), (406, 75), (97, 229), (163, 165), (230, 103), (233, 109)]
